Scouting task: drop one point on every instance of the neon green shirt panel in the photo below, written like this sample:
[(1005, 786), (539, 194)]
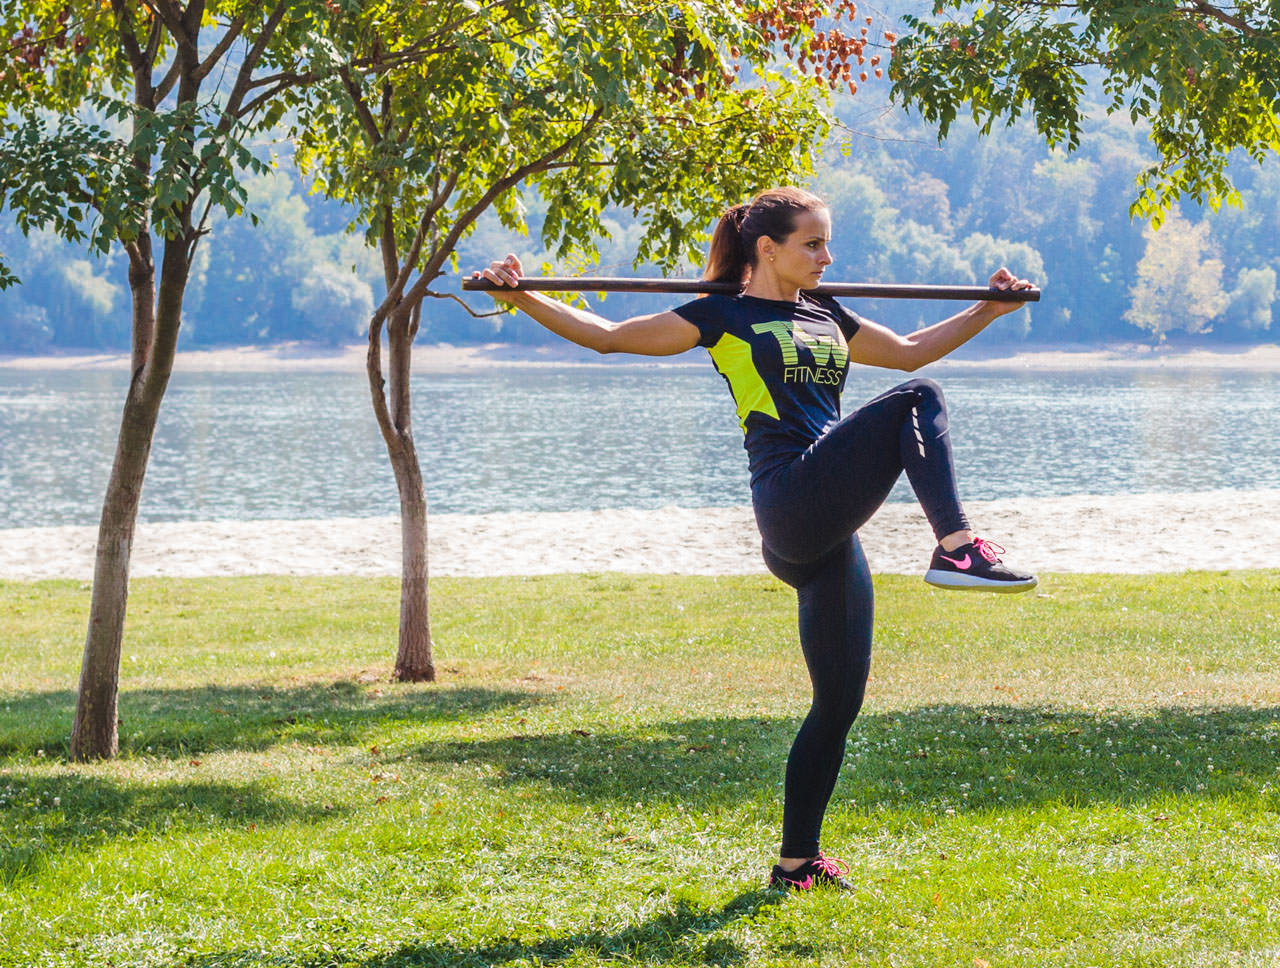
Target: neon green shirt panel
[(732, 357)]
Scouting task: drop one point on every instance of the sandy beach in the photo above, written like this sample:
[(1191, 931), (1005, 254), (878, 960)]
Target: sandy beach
[(1148, 533)]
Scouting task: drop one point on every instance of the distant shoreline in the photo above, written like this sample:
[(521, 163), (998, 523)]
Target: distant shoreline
[(446, 358)]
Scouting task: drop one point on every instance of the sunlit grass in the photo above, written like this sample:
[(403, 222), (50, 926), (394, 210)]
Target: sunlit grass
[(1087, 776)]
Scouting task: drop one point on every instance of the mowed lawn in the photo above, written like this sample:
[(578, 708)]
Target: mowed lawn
[(1088, 775)]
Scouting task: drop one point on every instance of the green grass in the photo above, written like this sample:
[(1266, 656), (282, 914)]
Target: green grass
[(1084, 777)]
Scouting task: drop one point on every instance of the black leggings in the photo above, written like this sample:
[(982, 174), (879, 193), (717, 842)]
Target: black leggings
[(809, 512)]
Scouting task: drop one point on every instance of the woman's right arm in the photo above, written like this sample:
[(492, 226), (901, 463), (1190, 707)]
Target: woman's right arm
[(657, 334)]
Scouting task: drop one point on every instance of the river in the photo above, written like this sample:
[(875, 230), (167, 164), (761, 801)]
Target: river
[(252, 446)]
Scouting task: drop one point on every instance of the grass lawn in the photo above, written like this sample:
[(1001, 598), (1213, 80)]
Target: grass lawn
[(1085, 776)]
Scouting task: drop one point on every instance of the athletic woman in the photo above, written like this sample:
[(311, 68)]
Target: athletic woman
[(815, 478)]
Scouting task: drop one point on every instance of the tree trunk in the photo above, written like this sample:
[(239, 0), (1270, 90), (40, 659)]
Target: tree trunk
[(94, 733), (392, 406), (414, 662)]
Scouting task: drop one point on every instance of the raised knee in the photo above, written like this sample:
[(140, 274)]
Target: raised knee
[(925, 388)]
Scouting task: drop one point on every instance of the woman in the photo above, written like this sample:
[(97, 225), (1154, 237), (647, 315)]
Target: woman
[(815, 479)]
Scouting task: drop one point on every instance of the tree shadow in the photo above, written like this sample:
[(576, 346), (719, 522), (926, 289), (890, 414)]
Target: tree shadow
[(940, 759), (50, 814), (962, 757), (679, 935), (207, 718)]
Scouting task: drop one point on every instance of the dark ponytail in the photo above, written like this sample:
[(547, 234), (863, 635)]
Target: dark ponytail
[(733, 243)]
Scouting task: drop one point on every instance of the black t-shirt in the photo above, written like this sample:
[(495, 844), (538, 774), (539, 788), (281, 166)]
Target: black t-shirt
[(785, 363)]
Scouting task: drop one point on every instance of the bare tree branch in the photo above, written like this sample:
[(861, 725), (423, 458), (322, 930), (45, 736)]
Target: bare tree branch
[(240, 89), (404, 270), (415, 320), (234, 30), (289, 80), (169, 80), (391, 268), (425, 222), (464, 221), (155, 39), (377, 383), (174, 73), (202, 227), (463, 303), (192, 19), (129, 40), (367, 120), (168, 13), (1222, 16)]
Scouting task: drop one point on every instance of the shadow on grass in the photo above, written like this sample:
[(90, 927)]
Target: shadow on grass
[(677, 936), (959, 757), (48, 814), (930, 760), (208, 718)]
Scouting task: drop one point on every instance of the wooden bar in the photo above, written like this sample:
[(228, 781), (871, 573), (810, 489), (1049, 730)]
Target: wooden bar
[(864, 290)]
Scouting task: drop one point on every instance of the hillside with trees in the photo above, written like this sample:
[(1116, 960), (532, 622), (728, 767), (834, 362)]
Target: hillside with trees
[(905, 210)]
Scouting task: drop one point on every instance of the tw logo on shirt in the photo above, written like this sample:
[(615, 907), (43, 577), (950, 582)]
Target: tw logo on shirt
[(830, 354)]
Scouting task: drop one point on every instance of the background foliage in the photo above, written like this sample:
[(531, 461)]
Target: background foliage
[(907, 210)]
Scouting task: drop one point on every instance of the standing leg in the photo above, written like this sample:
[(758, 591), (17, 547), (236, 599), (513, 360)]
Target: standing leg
[(835, 611)]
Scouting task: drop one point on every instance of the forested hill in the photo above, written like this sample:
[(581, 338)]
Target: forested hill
[(904, 210)]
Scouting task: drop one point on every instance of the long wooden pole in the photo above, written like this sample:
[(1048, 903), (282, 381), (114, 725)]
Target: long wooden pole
[(865, 290)]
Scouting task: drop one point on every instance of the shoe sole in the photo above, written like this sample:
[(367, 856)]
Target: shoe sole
[(955, 581), (792, 887)]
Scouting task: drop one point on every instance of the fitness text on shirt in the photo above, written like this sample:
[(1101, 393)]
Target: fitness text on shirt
[(830, 354)]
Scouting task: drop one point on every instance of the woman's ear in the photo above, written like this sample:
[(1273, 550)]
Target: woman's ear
[(766, 249)]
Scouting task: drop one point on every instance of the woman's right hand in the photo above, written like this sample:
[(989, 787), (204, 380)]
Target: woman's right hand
[(504, 273)]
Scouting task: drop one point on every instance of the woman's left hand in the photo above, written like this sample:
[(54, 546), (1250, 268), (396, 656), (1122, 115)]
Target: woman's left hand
[(1004, 279)]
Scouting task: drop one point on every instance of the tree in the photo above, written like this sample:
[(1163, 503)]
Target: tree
[(123, 123), (82, 300), (1205, 77), (25, 327), (590, 105), (277, 279), (1179, 282)]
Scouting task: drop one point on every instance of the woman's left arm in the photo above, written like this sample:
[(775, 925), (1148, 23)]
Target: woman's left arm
[(876, 345)]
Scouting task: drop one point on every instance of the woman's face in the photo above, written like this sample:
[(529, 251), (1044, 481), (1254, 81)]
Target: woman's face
[(801, 257)]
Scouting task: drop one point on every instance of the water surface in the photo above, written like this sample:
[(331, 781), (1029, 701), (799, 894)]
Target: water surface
[(293, 445)]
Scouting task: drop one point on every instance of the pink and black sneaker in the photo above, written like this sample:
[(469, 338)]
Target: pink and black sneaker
[(822, 871), (976, 567)]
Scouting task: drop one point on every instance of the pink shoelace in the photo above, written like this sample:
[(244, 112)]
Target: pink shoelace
[(831, 866), (988, 549)]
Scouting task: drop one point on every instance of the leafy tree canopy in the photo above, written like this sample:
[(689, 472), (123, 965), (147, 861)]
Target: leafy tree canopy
[(584, 106), (594, 104), (1205, 77), (119, 118)]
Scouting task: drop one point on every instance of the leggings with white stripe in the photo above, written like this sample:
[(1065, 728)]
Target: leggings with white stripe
[(809, 512)]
